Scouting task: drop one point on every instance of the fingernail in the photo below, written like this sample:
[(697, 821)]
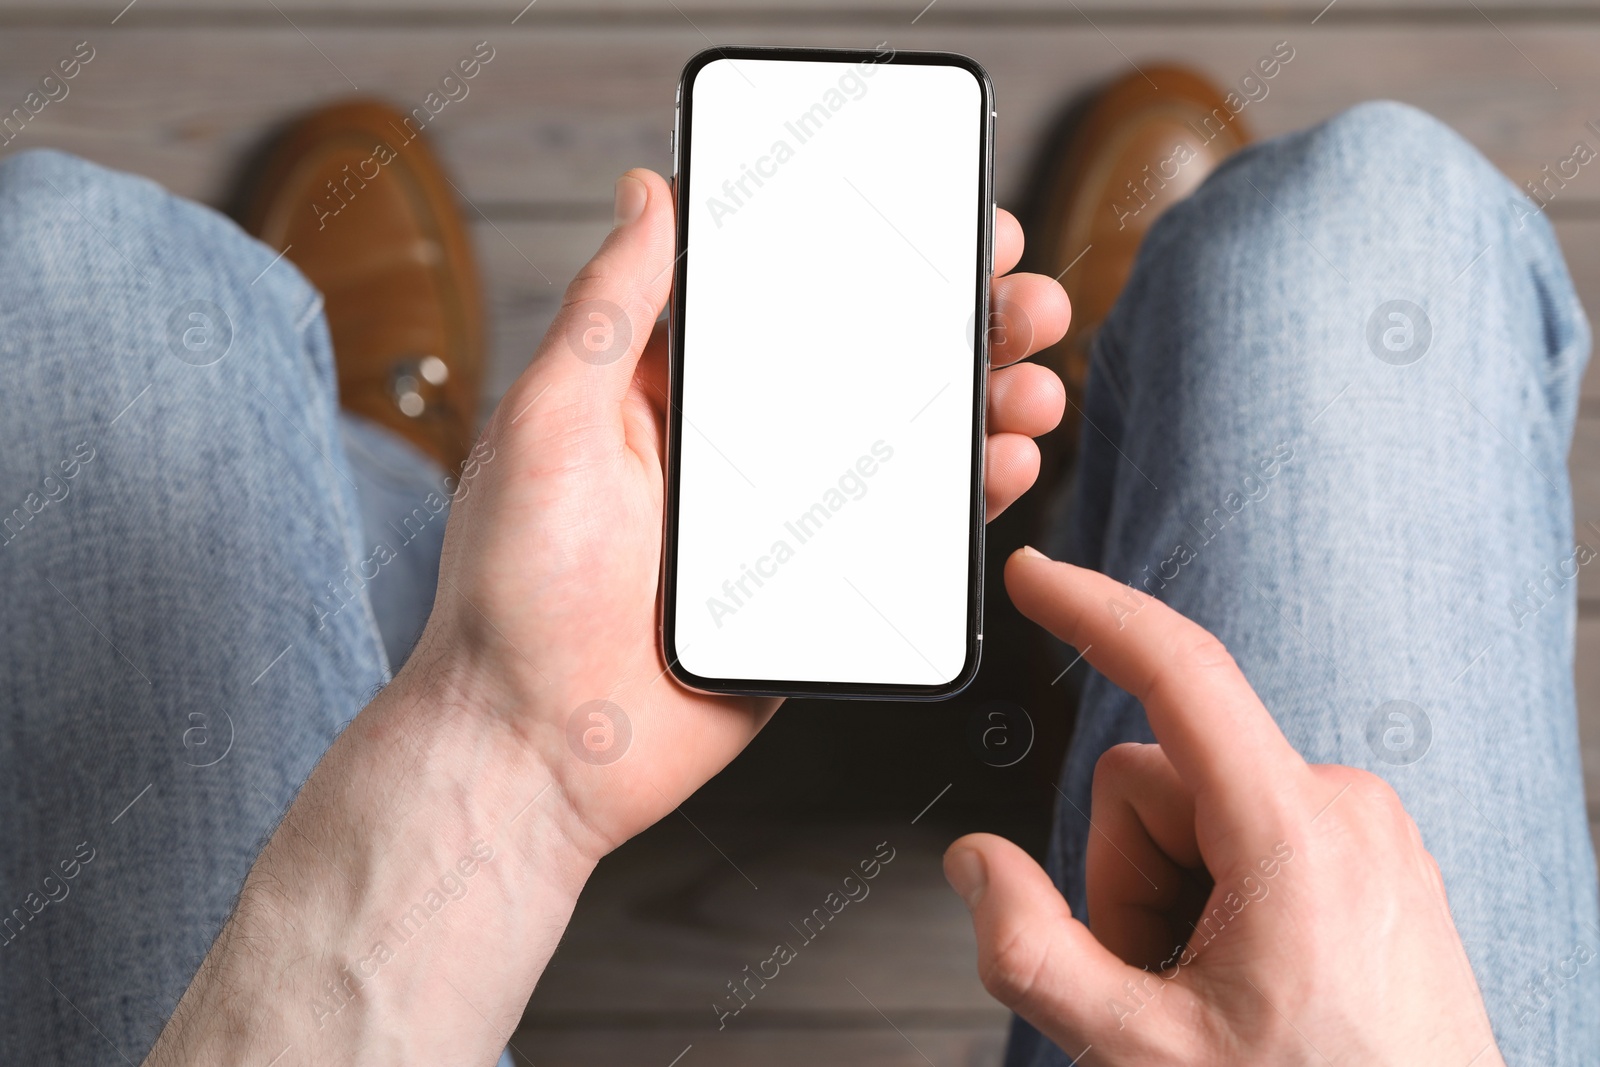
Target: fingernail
[(632, 196), (1029, 550), (965, 872)]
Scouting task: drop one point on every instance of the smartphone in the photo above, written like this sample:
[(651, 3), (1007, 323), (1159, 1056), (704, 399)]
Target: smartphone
[(824, 510)]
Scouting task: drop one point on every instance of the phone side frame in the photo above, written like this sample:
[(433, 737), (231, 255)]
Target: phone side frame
[(677, 307)]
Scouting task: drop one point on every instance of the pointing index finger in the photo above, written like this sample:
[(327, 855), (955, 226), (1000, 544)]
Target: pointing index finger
[(1215, 730)]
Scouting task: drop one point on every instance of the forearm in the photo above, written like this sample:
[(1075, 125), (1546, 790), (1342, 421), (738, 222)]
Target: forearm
[(404, 908)]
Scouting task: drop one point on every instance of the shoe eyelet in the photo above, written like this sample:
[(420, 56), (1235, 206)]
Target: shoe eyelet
[(412, 376)]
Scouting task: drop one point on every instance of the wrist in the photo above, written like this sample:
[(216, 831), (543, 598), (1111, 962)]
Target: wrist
[(505, 733), (427, 869), (482, 747)]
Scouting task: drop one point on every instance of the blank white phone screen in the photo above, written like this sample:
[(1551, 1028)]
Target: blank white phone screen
[(825, 480)]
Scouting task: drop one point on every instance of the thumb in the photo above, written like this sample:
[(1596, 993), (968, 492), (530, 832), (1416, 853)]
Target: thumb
[(611, 306), (1042, 963)]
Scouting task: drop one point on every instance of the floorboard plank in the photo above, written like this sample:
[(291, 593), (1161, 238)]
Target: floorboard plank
[(540, 127), (688, 916), (1105, 12), (805, 1046), (671, 919)]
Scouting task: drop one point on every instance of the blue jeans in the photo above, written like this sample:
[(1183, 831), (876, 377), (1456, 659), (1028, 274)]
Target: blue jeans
[(191, 606), (1328, 420)]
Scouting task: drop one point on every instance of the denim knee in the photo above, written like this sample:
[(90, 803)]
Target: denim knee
[(80, 241), (1363, 180), (1378, 152), (180, 371), (1380, 205), (41, 189)]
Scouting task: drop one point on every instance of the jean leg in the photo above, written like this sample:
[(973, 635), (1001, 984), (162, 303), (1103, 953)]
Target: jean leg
[(174, 499), (405, 500), (1329, 420)]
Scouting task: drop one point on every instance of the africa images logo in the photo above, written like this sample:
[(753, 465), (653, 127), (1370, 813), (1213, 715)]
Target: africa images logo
[(599, 732)]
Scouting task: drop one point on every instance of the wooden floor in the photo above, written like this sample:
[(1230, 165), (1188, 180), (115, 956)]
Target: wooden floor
[(672, 920), (579, 90)]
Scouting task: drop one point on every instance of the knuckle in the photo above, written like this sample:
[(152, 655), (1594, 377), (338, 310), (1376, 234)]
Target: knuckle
[(1358, 780), (1373, 803), (612, 274), (593, 279), (1114, 765), (1206, 651), (1010, 967), (1380, 794), (1194, 654)]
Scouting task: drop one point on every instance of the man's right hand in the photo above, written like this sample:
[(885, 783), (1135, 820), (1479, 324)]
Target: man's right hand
[(1246, 907)]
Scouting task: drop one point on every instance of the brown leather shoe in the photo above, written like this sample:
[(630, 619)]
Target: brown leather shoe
[(363, 208), (1133, 151)]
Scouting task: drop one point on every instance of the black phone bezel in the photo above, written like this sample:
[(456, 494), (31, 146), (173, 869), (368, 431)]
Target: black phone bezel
[(682, 140)]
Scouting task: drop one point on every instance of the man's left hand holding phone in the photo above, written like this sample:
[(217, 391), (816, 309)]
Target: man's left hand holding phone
[(535, 721)]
